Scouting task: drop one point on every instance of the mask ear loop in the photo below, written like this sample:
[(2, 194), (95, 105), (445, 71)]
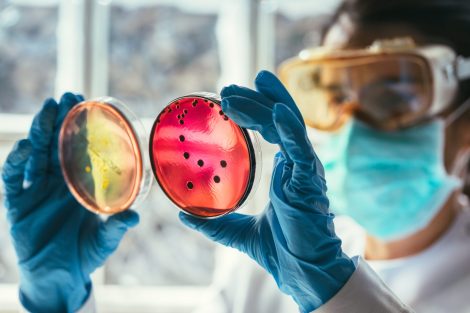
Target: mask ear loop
[(461, 163), (464, 157), (459, 166), (457, 113), (462, 160)]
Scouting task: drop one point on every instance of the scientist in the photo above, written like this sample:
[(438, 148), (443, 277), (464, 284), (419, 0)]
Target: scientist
[(395, 166), (397, 173)]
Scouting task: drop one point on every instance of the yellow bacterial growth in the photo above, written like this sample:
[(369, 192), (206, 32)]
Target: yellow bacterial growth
[(105, 161)]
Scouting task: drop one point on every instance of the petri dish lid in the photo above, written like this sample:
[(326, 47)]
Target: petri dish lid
[(100, 151), (205, 163)]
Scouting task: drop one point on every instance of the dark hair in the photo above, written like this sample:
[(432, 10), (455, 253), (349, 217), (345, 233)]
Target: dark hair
[(438, 21)]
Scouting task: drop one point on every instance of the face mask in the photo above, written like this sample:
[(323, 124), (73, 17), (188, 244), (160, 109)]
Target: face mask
[(391, 183)]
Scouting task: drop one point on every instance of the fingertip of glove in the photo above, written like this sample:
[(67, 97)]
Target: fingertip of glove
[(263, 76), (188, 220), (132, 218), (129, 217), (49, 103), (69, 98), (45, 118), (228, 90)]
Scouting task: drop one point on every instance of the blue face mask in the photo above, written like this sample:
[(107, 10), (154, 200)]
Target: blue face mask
[(391, 183)]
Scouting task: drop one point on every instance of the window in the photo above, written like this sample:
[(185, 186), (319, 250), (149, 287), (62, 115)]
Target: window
[(158, 52), (145, 53), (27, 55), (27, 73), (295, 31)]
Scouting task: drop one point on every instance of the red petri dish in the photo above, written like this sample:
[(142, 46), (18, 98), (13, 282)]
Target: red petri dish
[(203, 161)]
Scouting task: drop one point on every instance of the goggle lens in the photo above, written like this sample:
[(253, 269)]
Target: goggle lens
[(388, 91)]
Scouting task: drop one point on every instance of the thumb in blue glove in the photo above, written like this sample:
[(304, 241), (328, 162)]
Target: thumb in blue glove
[(58, 242), (294, 238)]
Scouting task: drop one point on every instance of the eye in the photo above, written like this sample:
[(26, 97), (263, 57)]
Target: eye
[(337, 94), (310, 80)]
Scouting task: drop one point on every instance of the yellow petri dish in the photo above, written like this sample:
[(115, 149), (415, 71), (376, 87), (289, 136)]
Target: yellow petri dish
[(100, 150)]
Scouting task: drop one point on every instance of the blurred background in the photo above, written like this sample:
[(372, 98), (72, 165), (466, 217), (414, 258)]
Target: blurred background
[(145, 53)]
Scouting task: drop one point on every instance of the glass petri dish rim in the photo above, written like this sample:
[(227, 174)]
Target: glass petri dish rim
[(137, 135), (254, 152)]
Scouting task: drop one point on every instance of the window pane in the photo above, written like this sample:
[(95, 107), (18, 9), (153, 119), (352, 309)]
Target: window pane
[(27, 56), (27, 75), (158, 53), (295, 31)]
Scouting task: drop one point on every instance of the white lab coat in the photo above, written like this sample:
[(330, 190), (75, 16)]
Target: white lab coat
[(436, 280)]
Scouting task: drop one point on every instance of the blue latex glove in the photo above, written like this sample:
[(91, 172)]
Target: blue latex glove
[(57, 241), (294, 238)]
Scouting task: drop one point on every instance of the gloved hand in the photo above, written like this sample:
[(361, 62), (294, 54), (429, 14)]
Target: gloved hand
[(57, 241), (294, 238)]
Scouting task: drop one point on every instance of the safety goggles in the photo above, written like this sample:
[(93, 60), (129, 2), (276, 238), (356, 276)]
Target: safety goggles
[(390, 85)]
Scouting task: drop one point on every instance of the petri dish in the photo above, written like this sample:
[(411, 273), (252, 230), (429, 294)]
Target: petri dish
[(205, 163), (100, 151)]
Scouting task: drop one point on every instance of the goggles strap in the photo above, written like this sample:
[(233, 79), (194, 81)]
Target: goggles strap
[(457, 113), (463, 68)]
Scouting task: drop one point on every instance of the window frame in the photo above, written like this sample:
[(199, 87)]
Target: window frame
[(82, 67)]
